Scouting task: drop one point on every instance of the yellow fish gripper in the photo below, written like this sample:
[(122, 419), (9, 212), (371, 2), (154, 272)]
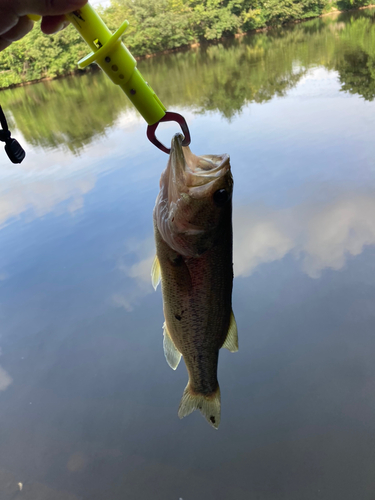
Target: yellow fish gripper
[(116, 61)]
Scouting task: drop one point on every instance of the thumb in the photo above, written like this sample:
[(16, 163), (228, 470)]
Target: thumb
[(45, 7)]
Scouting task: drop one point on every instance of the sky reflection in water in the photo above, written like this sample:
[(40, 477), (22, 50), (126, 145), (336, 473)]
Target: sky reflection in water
[(88, 403)]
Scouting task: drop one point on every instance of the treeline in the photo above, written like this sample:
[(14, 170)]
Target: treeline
[(223, 78), (157, 25)]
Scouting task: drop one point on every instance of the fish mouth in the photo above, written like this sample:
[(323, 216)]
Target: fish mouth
[(191, 174), (186, 211)]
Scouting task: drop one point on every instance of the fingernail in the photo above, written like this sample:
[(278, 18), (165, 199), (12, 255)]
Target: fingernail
[(61, 26)]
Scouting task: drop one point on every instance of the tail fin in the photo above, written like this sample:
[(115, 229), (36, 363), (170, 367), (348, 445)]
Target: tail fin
[(208, 405)]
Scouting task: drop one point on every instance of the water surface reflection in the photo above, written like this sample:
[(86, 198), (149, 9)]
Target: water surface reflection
[(87, 401), (319, 236)]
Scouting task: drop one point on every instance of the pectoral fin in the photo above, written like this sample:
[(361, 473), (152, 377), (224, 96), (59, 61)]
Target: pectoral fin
[(231, 342), (155, 272), (172, 354)]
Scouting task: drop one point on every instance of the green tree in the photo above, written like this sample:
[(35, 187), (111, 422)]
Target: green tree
[(155, 25), (222, 77)]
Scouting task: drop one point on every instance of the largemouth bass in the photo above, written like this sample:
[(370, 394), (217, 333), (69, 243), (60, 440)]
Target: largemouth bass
[(193, 234)]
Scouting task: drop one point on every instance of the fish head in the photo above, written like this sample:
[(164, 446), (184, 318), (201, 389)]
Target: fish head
[(194, 206)]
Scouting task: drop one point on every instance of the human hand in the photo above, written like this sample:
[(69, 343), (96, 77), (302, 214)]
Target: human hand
[(14, 23)]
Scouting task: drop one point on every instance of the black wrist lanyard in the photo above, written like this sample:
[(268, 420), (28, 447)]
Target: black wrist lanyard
[(12, 147)]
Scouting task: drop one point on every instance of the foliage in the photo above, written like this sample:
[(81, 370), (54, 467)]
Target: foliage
[(39, 55), (351, 4), (155, 25), (222, 78), (356, 66), (90, 106), (278, 13)]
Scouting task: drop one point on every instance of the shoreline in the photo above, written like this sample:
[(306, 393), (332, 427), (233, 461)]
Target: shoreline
[(187, 47), (251, 32)]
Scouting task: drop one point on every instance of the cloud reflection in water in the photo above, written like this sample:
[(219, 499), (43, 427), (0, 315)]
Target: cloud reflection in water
[(43, 181), (139, 273), (319, 236), (5, 379)]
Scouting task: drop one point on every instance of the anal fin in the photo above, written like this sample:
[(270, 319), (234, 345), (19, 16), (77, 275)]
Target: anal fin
[(231, 342), (172, 354), (155, 273)]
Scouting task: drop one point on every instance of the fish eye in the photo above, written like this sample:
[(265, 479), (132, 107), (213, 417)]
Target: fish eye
[(221, 196)]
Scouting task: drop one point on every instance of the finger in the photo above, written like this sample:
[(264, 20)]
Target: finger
[(53, 24), (4, 44), (21, 29), (7, 20), (12, 10), (45, 7)]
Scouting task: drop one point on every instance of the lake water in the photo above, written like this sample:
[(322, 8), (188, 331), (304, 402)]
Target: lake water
[(88, 404)]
